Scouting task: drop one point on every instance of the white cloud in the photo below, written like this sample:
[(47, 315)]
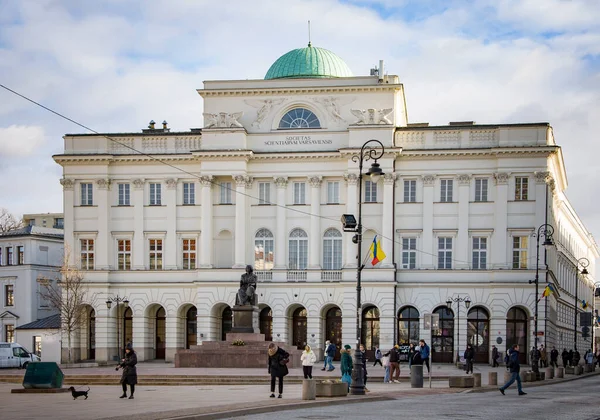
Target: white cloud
[(17, 140)]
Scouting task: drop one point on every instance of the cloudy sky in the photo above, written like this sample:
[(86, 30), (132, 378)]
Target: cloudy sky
[(113, 65)]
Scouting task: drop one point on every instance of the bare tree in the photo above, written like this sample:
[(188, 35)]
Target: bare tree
[(66, 294), (8, 221)]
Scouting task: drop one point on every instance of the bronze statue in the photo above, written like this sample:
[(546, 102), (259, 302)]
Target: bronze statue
[(246, 294)]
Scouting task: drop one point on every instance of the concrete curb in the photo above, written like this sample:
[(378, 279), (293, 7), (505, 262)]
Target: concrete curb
[(536, 383)]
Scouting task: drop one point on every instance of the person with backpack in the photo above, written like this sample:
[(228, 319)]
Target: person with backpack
[(394, 355), (378, 356), (469, 356), (424, 350), (329, 355), (515, 368)]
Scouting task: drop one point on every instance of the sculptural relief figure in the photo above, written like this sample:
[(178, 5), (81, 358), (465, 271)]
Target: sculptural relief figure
[(223, 120), (372, 116), (246, 293), (361, 114), (333, 104), (264, 108)]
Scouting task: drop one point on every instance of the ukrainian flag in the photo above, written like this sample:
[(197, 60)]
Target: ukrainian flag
[(548, 291), (377, 254)]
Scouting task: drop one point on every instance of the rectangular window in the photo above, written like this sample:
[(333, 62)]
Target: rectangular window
[(156, 252), (446, 190), (299, 193), (189, 193), (87, 254), (444, 253), (333, 192), (479, 253), (520, 244), (155, 194), (521, 188), (410, 191), (225, 192), (189, 254), (86, 194), (481, 189), (1, 260), (409, 253), (9, 333), (370, 192), (124, 196), (264, 193), (9, 256), (124, 254), (20, 255), (9, 295), (59, 223)]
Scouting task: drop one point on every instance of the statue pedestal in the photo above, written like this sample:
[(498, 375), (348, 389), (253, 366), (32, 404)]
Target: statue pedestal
[(245, 319)]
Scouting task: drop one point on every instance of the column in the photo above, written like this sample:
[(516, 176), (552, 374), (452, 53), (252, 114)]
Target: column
[(462, 241), (102, 201), (387, 220), (540, 201), (500, 256), (173, 342), (138, 225), (69, 215), (242, 182), (171, 239), (314, 238), (427, 257), (281, 185), (206, 236), (314, 334), (351, 208)]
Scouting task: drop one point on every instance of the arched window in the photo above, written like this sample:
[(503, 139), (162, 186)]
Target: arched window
[(332, 250), (442, 338), (299, 118), (516, 331), (266, 323), (263, 250), (408, 326), (370, 330), (299, 328), (298, 249), (127, 327), (191, 329), (226, 322), (160, 333), (333, 329), (478, 333)]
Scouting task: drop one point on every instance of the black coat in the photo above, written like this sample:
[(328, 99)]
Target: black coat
[(275, 367), (515, 365), (469, 354), (129, 375), (554, 355)]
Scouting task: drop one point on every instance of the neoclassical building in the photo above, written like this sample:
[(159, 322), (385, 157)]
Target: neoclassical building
[(169, 219)]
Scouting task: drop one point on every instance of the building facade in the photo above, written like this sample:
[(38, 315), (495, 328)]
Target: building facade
[(51, 220), (169, 220)]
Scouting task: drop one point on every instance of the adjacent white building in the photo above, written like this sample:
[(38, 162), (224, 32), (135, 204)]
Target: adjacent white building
[(168, 220)]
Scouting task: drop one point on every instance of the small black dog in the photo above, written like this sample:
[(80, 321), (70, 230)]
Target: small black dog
[(77, 394)]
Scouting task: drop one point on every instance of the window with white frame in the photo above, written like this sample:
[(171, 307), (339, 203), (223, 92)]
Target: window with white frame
[(189, 253), (410, 191), (9, 333), (299, 192), (264, 193), (479, 253), (520, 244), (481, 189), (409, 253), (446, 189), (370, 192), (333, 192), (298, 250), (86, 194), (155, 194), (155, 254), (124, 254), (86, 254), (189, 193), (9, 295), (9, 255), (444, 253), (332, 250), (225, 193), (124, 195), (263, 250), (20, 255), (521, 188)]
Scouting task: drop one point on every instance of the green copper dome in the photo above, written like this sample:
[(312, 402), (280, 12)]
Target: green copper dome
[(309, 62)]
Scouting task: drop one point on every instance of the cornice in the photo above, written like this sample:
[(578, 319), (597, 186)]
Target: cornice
[(300, 90), (245, 155), (389, 152), (492, 152), (297, 156)]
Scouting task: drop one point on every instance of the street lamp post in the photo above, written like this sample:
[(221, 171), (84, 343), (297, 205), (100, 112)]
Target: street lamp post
[(458, 300), (372, 149), (583, 263), (594, 314), (117, 299)]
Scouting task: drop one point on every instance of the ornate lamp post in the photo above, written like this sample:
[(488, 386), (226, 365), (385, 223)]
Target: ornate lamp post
[(584, 264), (117, 299), (458, 300), (372, 149)]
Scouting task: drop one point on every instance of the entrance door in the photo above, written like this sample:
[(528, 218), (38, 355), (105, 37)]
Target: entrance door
[(266, 323), (92, 336), (127, 327), (299, 328), (478, 334), (160, 334), (191, 321), (442, 339), (333, 329), (516, 331), (226, 322), (370, 331)]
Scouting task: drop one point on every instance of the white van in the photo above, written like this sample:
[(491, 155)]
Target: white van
[(13, 355)]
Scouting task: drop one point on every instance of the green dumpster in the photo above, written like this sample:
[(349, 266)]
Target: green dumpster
[(43, 375)]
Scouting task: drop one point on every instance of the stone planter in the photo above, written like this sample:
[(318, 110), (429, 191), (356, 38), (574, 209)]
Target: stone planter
[(333, 389), (461, 382)]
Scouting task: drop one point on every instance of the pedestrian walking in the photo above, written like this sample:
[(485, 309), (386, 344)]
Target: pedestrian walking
[(363, 355), (325, 355), (571, 358), (330, 350), (598, 356), (346, 365), (424, 350), (394, 356), (515, 368), (469, 356), (495, 357), (378, 356), (554, 357), (129, 375), (589, 357), (543, 356), (308, 359), (386, 366), (565, 358), (411, 353), (277, 363), (576, 357)]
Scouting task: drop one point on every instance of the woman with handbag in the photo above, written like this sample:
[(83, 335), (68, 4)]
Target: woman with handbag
[(277, 363), (346, 365)]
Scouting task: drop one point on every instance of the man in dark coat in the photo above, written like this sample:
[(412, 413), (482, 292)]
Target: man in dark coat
[(576, 358), (277, 363), (129, 375), (495, 356), (554, 357), (515, 368), (565, 358), (571, 358), (469, 356)]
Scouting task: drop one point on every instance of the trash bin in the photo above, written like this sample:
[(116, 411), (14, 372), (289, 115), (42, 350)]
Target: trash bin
[(416, 376)]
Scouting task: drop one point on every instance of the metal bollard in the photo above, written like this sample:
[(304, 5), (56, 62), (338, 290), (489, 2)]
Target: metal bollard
[(492, 378), (416, 376)]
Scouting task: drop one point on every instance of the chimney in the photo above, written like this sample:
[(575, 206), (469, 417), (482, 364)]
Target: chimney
[(151, 125), (381, 72), (164, 123)]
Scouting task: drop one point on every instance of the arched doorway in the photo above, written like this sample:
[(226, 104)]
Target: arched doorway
[(226, 322), (478, 333), (370, 330), (191, 327), (160, 333), (333, 329), (299, 328), (91, 341), (266, 323), (408, 329), (127, 328), (516, 331), (442, 339)]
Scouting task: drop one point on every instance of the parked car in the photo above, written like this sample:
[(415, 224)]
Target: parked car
[(14, 355)]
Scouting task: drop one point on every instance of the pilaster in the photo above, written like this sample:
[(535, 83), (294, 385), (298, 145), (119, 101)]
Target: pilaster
[(428, 191), (351, 208), (206, 235), (171, 238), (314, 239), (138, 225), (103, 204), (281, 186), (242, 182), (69, 216), (500, 236), (462, 240), (387, 220)]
